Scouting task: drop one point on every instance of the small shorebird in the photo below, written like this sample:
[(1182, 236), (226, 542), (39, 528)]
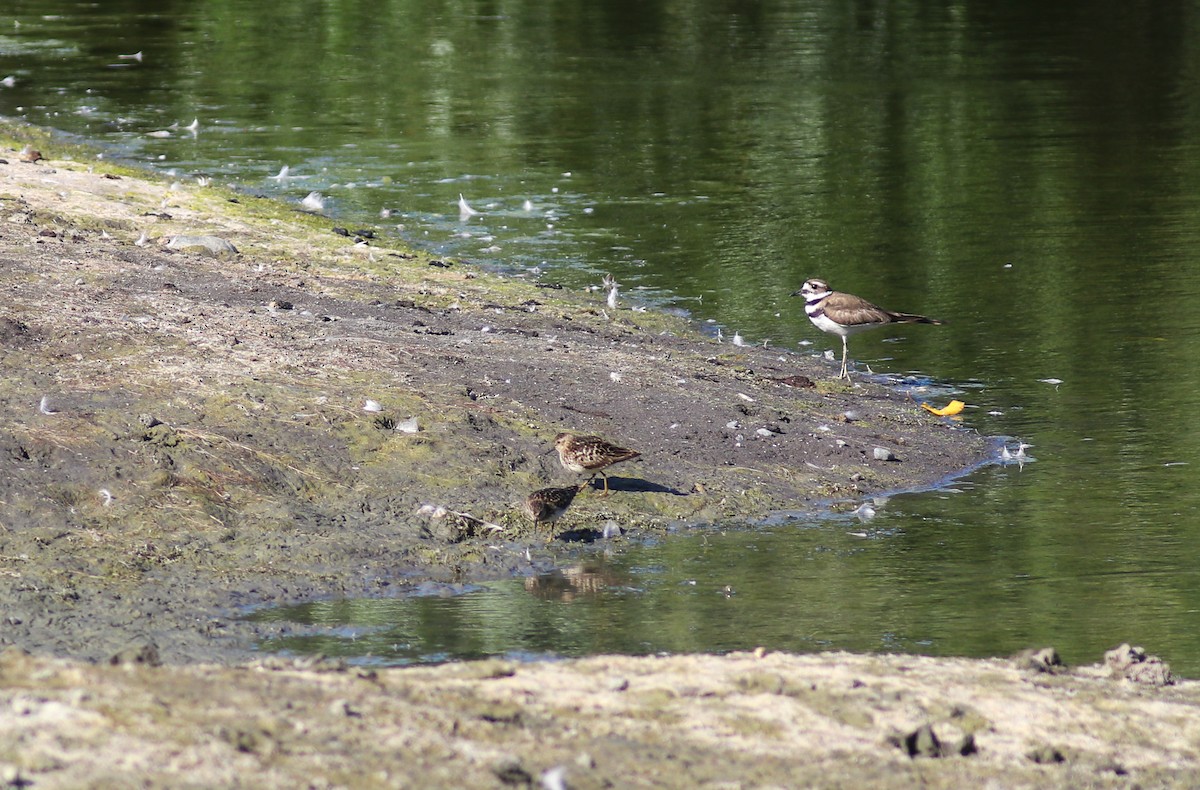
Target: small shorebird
[(546, 505), (590, 454), (845, 314)]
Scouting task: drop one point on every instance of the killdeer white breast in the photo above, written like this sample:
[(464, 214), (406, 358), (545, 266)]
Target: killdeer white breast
[(845, 314)]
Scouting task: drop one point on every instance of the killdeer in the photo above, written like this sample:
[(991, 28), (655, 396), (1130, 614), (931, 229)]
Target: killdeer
[(846, 314)]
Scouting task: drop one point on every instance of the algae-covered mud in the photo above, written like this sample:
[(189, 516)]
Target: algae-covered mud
[(213, 401)]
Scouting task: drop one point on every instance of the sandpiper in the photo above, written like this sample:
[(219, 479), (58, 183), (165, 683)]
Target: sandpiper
[(546, 505), (590, 454), (845, 314)]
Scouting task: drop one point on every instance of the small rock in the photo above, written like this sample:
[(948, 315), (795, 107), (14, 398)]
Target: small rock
[(884, 454), (341, 707), (1043, 660), (1133, 663), (144, 654), (1045, 755), (555, 778), (511, 772), (618, 684), (921, 742), (149, 420)]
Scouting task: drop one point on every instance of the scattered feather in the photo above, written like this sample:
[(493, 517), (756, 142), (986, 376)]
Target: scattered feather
[(107, 496), (314, 202), (135, 56), (465, 212), (614, 377), (8, 81), (737, 339), (611, 285), (372, 405), (44, 406), (408, 426), (865, 512)]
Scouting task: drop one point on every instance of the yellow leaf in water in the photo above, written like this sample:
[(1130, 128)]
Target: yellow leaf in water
[(951, 408)]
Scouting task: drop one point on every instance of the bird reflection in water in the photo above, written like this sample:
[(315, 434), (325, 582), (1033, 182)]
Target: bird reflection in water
[(578, 580)]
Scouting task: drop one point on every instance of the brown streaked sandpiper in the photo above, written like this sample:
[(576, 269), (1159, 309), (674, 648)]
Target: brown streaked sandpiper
[(590, 454)]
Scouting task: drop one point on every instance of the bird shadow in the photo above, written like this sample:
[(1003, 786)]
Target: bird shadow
[(633, 485), (580, 535)]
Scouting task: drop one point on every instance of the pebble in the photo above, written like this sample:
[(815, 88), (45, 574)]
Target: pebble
[(884, 454)]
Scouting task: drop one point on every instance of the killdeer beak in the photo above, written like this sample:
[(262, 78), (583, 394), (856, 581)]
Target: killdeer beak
[(798, 293)]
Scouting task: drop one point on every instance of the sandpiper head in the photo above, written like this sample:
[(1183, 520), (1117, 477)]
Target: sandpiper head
[(562, 440), (813, 289)]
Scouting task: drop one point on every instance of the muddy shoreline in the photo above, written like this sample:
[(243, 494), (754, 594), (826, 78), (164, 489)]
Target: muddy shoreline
[(190, 434), (186, 436)]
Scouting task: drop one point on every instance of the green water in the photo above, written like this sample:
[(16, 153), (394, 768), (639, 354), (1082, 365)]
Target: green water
[(1029, 172)]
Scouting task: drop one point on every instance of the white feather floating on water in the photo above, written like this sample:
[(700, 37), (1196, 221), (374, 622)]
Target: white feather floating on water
[(314, 202), (465, 212)]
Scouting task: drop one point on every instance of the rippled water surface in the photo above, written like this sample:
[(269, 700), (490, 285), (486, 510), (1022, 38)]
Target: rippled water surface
[(1028, 172)]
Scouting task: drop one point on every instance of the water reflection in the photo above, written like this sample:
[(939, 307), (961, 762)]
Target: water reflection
[(573, 582), (965, 571)]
